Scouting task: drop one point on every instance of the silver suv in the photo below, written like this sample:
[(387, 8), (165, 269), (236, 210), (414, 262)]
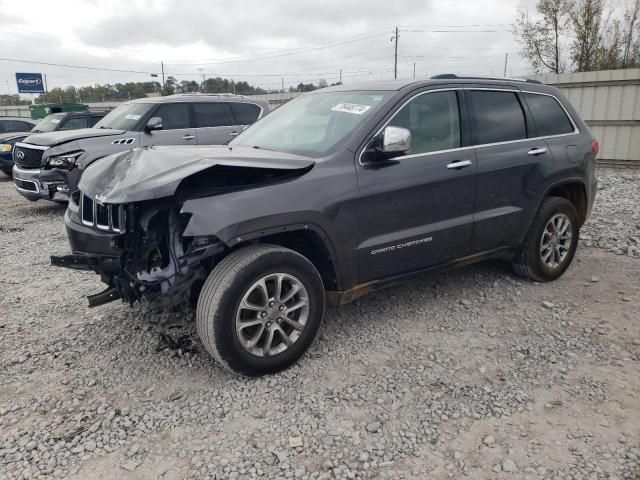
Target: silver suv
[(48, 166)]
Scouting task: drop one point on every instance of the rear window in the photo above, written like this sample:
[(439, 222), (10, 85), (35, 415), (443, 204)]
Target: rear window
[(245, 113), (212, 114), (498, 117), (549, 116)]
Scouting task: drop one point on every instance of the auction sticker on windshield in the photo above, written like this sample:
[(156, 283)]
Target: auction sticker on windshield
[(133, 117), (351, 108)]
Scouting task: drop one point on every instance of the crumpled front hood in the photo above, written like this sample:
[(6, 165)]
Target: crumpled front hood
[(156, 172), (62, 136)]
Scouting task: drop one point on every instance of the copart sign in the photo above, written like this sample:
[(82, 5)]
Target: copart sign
[(30, 83)]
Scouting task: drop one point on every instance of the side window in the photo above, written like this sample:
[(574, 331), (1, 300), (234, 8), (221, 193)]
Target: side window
[(4, 126), (93, 120), (548, 115), (24, 126), (212, 115), (245, 113), (434, 122), (498, 116), (74, 123), (174, 115)]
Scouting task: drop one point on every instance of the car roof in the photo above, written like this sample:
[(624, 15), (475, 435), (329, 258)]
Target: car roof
[(23, 119), (199, 97)]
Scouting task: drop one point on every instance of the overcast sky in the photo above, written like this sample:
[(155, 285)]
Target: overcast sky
[(255, 40)]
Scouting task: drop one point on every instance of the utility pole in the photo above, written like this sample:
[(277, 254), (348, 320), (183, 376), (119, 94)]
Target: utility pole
[(340, 76), (282, 81), (414, 69), (395, 38), (506, 59), (162, 68), (201, 70)]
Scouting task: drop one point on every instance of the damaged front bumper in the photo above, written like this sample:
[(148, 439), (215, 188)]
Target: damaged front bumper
[(146, 259), (41, 184)]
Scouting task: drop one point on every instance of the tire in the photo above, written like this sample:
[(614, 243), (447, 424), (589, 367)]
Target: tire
[(236, 279), (529, 262)]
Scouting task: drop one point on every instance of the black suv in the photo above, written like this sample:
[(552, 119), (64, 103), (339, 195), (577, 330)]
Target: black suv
[(337, 193), (51, 123)]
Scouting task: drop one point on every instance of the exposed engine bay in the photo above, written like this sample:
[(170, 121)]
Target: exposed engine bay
[(141, 249)]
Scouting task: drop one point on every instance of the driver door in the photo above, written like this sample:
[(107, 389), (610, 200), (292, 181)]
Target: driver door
[(416, 210), (176, 127)]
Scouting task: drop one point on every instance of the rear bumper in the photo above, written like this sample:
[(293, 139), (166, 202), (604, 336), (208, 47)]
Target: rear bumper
[(36, 184)]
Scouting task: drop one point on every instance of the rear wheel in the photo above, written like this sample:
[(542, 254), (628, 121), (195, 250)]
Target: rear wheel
[(550, 243), (260, 309)]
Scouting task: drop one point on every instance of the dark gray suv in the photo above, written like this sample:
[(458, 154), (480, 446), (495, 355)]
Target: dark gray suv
[(49, 165), (337, 193)]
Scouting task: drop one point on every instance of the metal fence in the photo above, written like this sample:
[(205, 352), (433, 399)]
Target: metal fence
[(609, 102)]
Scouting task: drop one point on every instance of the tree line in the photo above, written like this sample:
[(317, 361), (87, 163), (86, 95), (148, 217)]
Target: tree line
[(133, 90), (579, 35)]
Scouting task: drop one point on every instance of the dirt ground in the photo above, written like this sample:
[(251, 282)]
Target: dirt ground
[(473, 373)]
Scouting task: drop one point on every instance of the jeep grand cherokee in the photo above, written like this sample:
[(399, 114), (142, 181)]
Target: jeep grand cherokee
[(336, 193)]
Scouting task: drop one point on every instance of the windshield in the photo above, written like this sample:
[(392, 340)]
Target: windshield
[(311, 124), (125, 117), (49, 123)]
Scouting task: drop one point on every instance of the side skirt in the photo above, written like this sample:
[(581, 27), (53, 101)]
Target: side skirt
[(336, 298)]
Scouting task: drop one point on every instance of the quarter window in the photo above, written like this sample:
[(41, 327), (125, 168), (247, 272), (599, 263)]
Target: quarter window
[(174, 115), (498, 117), (245, 113), (434, 122), (548, 115), (212, 114)]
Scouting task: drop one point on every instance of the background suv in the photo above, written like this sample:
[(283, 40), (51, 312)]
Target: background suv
[(48, 166), (333, 195), (50, 123)]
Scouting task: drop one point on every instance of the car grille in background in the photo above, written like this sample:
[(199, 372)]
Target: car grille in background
[(103, 217), (31, 157)]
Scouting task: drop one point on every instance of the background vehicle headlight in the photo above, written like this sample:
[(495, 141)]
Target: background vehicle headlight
[(5, 147), (66, 160)]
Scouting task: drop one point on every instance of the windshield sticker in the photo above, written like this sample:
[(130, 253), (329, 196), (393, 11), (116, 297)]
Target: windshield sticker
[(55, 120), (133, 117), (351, 108)]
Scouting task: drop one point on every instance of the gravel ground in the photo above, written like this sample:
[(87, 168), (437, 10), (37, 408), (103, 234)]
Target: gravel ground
[(471, 373)]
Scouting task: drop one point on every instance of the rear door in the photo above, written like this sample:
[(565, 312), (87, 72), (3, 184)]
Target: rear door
[(511, 167), (214, 121), (176, 126), (417, 210)]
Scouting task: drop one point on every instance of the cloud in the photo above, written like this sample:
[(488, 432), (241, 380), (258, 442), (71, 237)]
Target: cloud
[(258, 41)]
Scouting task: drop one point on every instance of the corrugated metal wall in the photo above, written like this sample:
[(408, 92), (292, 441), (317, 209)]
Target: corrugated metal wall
[(609, 101)]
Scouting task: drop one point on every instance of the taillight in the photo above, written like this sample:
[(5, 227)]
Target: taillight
[(595, 147)]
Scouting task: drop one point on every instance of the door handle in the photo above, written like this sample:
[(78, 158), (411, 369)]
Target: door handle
[(188, 137), (233, 134), (459, 164), (537, 151)]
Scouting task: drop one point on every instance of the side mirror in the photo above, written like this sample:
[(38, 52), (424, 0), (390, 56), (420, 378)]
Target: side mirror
[(395, 140), (154, 123)]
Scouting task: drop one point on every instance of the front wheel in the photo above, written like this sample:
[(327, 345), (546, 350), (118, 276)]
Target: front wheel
[(260, 309), (550, 243)]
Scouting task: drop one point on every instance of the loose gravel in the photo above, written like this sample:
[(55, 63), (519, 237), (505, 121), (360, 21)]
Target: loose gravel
[(473, 373)]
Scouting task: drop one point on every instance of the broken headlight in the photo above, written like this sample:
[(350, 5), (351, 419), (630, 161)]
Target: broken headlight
[(66, 160)]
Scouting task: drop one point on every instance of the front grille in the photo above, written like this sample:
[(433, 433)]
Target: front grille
[(25, 185), (103, 217), (27, 157)]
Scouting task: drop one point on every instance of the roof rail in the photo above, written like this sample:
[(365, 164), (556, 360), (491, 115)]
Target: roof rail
[(209, 94), (451, 76)]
